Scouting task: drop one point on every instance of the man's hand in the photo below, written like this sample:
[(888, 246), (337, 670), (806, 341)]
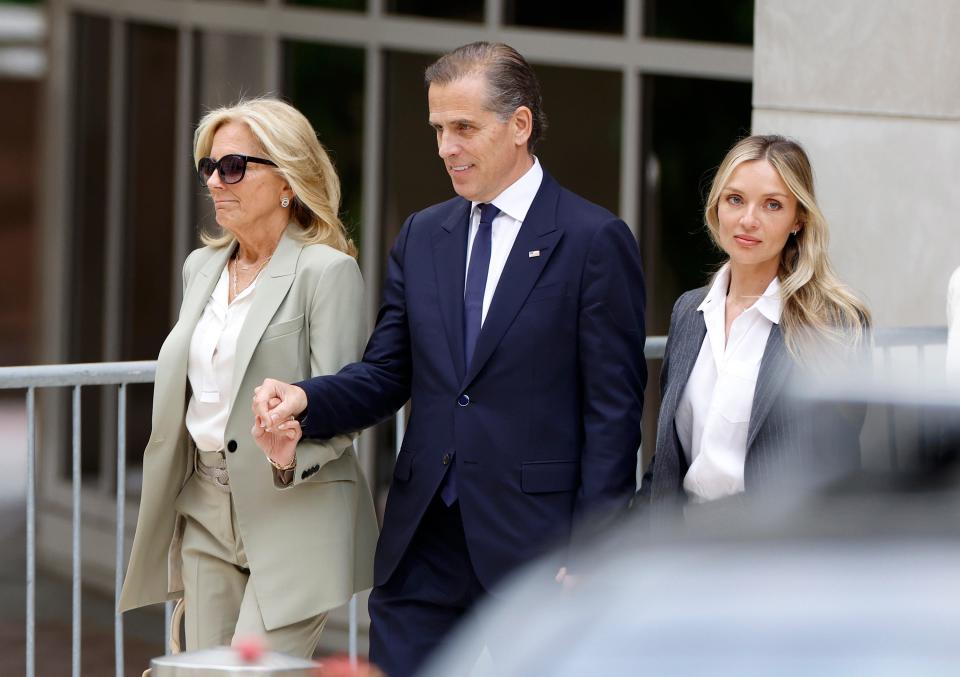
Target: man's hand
[(280, 443), (290, 401)]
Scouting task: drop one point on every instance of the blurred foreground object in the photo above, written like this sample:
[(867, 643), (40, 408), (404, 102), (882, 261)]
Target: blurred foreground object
[(859, 578), (230, 661), (341, 666)]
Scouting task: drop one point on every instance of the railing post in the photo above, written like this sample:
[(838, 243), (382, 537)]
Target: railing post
[(352, 641), (31, 628), (167, 616), (77, 477), (121, 523)]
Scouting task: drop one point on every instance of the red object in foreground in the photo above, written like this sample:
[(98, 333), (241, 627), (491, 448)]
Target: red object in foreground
[(339, 666), (250, 648)]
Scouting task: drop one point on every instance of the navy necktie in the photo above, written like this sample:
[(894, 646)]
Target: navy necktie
[(477, 281), (472, 314)]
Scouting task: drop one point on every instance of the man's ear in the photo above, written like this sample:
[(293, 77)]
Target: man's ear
[(522, 121)]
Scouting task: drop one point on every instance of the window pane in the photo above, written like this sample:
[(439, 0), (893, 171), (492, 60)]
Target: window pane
[(689, 124), (601, 17), (19, 232), (705, 20), (326, 84), (414, 174), (91, 67), (581, 148), (467, 10)]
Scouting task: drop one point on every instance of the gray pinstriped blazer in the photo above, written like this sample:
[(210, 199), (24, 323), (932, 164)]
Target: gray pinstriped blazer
[(790, 442)]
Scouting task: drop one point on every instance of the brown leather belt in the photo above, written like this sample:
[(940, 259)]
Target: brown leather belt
[(211, 466)]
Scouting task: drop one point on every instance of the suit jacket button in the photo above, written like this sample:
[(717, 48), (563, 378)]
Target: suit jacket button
[(446, 459), (463, 400), (232, 446)]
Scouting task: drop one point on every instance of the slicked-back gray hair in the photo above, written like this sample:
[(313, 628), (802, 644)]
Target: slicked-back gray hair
[(511, 82)]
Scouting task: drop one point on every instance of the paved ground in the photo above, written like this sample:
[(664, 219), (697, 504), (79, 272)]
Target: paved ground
[(143, 630)]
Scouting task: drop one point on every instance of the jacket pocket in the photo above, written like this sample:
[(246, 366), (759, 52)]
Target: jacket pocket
[(278, 329), (547, 291), (543, 477)]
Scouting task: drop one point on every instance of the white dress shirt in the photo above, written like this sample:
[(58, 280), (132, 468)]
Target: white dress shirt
[(513, 203), (714, 411), (210, 363)]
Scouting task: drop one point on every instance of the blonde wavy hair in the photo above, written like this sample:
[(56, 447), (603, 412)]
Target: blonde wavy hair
[(817, 308), (288, 139)]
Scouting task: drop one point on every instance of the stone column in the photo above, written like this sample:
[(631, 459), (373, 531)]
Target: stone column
[(871, 88)]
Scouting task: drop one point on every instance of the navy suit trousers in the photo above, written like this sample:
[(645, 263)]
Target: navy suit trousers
[(431, 589)]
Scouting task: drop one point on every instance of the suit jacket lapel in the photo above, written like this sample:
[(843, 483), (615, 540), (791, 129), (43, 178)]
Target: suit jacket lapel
[(201, 287), (172, 373), (689, 336), (775, 366), (538, 231), (271, 289), (450, 260)]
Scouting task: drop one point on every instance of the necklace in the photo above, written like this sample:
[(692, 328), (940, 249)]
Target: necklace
[(236, 258), (236, 274)]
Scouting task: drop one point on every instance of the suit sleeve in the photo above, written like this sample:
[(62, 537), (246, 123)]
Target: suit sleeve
[(366, 392), (337, 333), (613, 370)]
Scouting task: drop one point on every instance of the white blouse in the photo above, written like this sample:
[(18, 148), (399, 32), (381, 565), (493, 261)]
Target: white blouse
[(210, 363), (714, 411)]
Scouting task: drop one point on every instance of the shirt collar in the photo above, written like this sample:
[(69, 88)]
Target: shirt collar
[(515, 201), (768, 304)]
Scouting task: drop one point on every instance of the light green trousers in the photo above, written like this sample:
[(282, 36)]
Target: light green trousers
[(220, 603)]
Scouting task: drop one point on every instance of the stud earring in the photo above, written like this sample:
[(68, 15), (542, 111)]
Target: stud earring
[(284, 202)]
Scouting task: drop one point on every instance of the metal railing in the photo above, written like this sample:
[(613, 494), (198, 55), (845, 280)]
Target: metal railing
[(122, 374), (75, 376)]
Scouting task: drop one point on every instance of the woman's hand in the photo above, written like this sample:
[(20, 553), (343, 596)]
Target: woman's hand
[(280, 444)]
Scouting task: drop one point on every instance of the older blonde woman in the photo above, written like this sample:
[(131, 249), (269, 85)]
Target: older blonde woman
[(728, 423), (278, 291)]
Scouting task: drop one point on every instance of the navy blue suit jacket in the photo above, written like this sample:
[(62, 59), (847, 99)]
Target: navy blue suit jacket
[(555, 386)]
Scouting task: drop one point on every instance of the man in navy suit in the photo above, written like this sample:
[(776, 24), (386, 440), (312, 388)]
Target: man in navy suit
[(513, 318)]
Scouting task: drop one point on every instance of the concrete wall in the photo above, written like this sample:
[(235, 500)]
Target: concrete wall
[(872, 90)]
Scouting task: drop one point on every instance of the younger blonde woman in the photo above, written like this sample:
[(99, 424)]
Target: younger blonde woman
[(728, 423)]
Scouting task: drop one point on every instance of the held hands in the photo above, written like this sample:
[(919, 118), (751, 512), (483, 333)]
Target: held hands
[(275, 430), (275, 402), (280, 442)]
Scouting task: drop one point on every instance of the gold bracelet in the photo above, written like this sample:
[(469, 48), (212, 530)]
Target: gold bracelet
[(290, 466)]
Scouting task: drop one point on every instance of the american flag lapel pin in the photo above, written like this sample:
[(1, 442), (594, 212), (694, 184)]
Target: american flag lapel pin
[(533, 254)]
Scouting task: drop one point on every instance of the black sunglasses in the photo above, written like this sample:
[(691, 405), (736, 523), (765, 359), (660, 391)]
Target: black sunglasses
[(231, 167)]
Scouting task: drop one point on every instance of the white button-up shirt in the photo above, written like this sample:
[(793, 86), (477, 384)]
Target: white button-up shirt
[(210, 363), (513, 203), (713, 414)]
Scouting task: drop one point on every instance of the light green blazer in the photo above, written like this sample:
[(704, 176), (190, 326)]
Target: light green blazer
[(310, 546)]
